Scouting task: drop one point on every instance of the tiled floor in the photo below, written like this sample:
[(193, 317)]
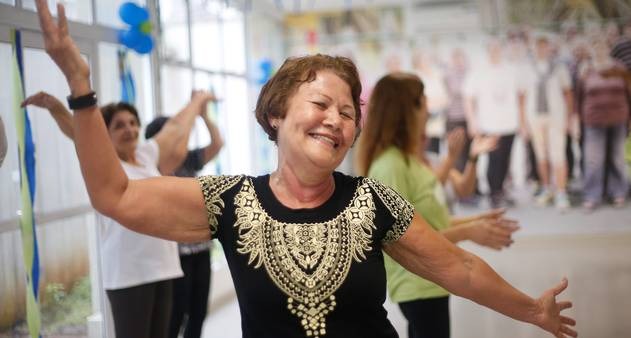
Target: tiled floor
[(592, 249)]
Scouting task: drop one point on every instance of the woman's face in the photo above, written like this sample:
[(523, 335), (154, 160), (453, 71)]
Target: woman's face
[(123, 130), (319, 125)]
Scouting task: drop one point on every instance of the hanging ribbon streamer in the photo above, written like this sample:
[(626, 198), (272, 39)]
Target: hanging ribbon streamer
[(26, 152), (128, 88)]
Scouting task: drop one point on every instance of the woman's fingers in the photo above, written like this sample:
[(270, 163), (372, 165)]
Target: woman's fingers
[(46, 20), (62, 21), (568, 321), (559, 288), (567, 331), (564, 305)]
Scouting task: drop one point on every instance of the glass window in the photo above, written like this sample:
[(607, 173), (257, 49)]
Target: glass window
[(59, 181), (8, 2), (76, 10), (107, 12), (199, 135), (234, 45), (238, 129), (206, 35), (173, 21), (110, 83), (177, 84), (207, 44)]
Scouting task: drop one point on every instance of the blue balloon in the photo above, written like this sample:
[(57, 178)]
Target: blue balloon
[(266, 69), (130, 38), (133, 14), (144, 45)]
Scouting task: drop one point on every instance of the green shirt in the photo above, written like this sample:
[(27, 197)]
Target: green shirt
[(416, 183)]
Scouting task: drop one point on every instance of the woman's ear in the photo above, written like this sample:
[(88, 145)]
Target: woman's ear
[(274, 122)]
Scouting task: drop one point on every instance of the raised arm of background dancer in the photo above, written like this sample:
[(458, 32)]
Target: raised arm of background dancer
[(423, 251), (173, 137), (455, 144), (464, 183), (57, 110), (216, 140), (166, 207)]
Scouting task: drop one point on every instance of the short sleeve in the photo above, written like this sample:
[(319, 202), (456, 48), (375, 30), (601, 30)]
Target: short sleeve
[(401, 210), (212, 188)]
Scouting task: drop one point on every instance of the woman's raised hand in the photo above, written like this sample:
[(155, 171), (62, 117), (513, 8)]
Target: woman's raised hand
[(43, 100), (62, 49), (482, 145), (550, 318)]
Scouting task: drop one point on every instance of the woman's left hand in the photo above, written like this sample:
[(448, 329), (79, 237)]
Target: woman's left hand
[(549, 317), (62, 49)]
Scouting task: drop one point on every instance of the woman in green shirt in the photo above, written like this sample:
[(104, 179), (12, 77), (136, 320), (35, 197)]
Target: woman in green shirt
[(388, 151)]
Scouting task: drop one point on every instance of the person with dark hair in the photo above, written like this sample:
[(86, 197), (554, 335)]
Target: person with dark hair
[(137, 270), (388, 149), (190, 292), (304, 243)]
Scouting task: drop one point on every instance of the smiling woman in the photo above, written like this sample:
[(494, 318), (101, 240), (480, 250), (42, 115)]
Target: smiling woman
[(304, 244)]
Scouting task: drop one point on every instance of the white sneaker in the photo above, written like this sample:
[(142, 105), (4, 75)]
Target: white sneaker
[(544, 198), (561, 201)]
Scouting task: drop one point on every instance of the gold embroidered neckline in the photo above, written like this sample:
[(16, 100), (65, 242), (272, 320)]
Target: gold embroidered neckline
[(307, 261)]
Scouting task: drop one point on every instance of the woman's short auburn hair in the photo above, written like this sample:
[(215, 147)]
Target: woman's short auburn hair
[(275, 94), (109, 110)]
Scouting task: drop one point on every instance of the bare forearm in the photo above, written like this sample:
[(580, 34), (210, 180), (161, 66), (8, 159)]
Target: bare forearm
[(455, 234), (102, 172), (442, 170), (63, 118), (216, 139), (487, 288), (464, 184)]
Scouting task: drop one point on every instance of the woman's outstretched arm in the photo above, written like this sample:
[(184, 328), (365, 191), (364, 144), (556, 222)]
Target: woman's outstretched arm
[(166, 207), (425, 252)]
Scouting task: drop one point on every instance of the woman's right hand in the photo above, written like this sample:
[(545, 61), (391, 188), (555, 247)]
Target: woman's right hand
[(492, 233), (62, 49), (482, 145), (43, 100)]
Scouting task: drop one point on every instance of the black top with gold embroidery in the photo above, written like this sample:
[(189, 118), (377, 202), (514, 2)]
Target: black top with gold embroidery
[(307, 272)]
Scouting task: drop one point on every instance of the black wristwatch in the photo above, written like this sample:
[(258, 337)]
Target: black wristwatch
[(81, 102)]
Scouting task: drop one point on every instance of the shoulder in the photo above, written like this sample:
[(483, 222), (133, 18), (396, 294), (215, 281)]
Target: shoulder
[(390, 159), (217, 184), (392, 203)]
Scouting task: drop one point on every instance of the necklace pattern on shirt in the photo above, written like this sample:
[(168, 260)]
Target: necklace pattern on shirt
[(307, 261)]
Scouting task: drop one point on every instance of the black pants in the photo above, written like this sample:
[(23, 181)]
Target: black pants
[(142, 311), (461, 162), (427, 318), (190, 295), (499, 162)]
